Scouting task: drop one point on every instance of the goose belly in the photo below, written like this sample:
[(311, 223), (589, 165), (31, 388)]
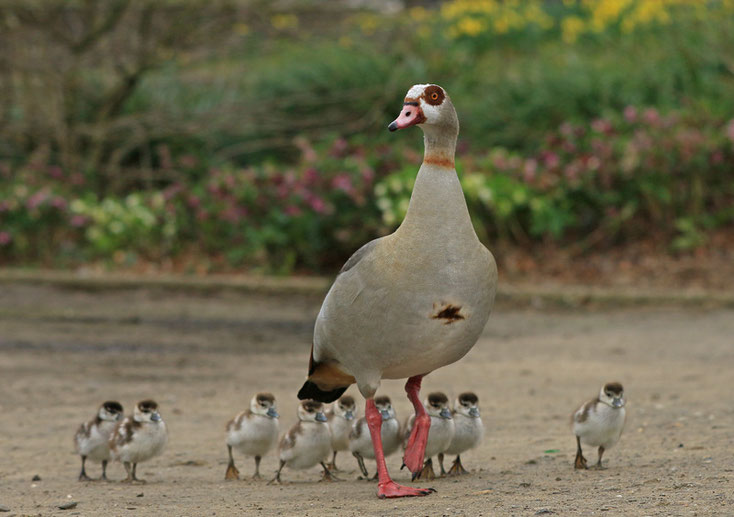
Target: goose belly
[(400, 333)]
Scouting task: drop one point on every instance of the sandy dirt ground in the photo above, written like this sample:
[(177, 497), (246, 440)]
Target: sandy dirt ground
[(202, 357)]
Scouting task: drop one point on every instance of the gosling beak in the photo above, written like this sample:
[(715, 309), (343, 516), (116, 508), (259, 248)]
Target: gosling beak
[(272, 413), (617, 402), (320, 417), (385, 414), (445, 413), (410, 115), (474, 412), (348, 415), (155, 417)]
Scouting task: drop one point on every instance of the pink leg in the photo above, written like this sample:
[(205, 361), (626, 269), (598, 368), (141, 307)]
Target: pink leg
[(416, 448), (386, 487)]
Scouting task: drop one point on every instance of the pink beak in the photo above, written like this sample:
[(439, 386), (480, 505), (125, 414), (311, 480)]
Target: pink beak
[(410, 115)]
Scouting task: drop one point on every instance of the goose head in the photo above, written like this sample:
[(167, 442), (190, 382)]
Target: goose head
[(384, 406), (467, 404), (612, 394), (437, 405), (110, 411), (263, 404), (345, 407), (146, 411), (311, 411), (426, 105)]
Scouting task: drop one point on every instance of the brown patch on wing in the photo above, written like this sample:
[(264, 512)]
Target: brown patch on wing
[(84, 430), (356, 431), (236, 422), (585, 410), (124, 432), (289, 438), (449, 313)]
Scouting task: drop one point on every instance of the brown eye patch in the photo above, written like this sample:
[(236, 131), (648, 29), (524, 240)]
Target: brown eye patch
[(434, 95)]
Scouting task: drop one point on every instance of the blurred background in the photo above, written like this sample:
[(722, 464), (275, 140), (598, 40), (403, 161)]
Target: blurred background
[(597, 140)]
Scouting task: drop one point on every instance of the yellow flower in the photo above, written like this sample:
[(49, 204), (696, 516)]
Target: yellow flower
[(369, 23), (284, 21), (470, 26), (502, 25), (571, 27)]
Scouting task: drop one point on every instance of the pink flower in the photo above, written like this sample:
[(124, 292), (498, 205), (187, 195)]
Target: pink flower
[(5, 238), (59, 203), (77, 221), (292, 210), (36, 200), (368, 174), (194, 201), (171, 191), (342, 182), (310, 176), (566, 129), (651, 116), (601, 125), (4, 206), (529, 170), (550, 159), (317, 204), (55, 172), (308, 154), (339, 148), (630, 114), (730, 130)]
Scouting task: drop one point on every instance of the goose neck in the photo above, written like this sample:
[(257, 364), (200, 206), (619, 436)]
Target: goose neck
[(440, 145)]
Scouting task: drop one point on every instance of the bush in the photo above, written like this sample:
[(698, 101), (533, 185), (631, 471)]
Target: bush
[(192, 144)]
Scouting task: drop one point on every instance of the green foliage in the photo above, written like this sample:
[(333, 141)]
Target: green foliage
[(584, 124)]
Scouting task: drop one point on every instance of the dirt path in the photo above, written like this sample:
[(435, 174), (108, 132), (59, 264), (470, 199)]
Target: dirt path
[(62, 352)]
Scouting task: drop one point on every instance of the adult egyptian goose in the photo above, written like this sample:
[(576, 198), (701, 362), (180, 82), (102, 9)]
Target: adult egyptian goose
[(411, 302)]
